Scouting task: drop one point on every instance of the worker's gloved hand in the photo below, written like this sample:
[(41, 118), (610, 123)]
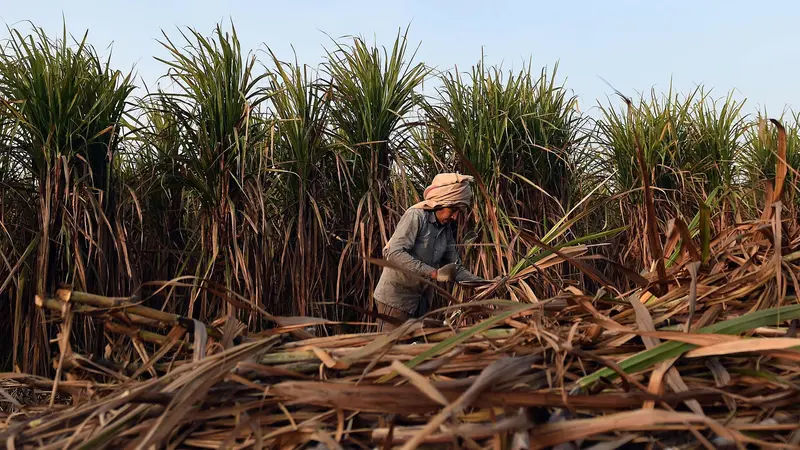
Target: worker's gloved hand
[(447, 273)]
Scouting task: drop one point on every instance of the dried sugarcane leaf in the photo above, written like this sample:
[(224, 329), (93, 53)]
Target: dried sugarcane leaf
[(745, 346), (449, 343), (420, 382), (649, 358), (560, 432)]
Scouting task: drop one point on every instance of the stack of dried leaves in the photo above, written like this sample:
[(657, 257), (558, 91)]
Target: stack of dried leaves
[(703, 356)]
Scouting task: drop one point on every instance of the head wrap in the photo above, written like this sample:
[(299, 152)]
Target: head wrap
[(447, 190)]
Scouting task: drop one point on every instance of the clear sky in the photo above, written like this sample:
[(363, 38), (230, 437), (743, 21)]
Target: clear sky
[(634, 45)]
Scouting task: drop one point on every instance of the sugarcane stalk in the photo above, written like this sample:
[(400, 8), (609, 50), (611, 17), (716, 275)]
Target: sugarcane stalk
[(147, 336), (124, 317), (287, 357), (99, 301), (75, 359), (56, 305)]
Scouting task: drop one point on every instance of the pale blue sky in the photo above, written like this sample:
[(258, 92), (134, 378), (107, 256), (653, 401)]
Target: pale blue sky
[(635, 45)]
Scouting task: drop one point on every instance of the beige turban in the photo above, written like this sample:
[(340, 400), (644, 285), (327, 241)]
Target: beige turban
[(446, 190)]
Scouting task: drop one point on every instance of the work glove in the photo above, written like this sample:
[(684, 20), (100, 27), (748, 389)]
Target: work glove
[(447, 273)]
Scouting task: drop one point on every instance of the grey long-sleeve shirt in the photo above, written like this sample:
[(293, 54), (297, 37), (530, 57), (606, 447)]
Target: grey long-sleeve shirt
[(420, 245)]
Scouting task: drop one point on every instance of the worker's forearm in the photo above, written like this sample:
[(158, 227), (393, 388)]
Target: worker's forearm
[(411, 264)]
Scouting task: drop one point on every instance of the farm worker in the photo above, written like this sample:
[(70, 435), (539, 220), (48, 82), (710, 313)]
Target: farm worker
[(424, 244)]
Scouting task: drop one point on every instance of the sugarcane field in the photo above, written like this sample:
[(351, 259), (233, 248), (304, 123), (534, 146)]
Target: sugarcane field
[(250, 251)]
